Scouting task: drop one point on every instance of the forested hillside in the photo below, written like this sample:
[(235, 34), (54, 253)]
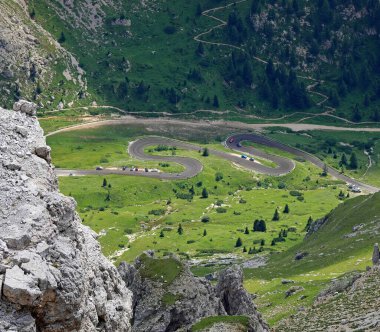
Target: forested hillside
[(261, 58)]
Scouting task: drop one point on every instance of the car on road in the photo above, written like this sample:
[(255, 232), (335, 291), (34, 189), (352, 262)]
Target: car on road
[(231, 140), (244, 156), (99, 168), (251, 159)]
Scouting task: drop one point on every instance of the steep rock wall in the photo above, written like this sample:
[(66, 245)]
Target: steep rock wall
[(53, 276)]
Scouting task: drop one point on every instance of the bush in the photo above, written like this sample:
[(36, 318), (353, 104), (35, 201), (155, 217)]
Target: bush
[(295, 193), (157, 212), (205, 219), (170, 29), (190, 241), (218, 176), (221, 210)]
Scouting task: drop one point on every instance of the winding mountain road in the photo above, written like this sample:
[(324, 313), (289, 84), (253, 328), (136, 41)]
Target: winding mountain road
[(193, 166)]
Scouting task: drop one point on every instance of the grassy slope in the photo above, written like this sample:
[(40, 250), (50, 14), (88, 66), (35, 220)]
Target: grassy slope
[(318, 143), (330, 254)]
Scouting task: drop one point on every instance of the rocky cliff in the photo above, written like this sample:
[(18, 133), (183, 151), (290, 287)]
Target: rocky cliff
[(168, 297), (53, 276)]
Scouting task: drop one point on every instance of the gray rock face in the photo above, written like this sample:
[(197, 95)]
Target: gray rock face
[(53, 276), (175, 306), (236, 300)]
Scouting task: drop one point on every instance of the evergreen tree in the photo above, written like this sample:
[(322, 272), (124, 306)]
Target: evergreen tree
[(239, 243), (62, 38), (325, 170), (204, 232), (353, 161), (216, 102), (205, 152), (262, 243), (273, 243), (198, 10), (248, 73), (376, 116), (244, 249), (286, 209), (246, 230), (343, 160), (204, 193), (200, 49), (308, 224), (104, 183), (162, 233), (356, 115), (276, 215), (180, 229)]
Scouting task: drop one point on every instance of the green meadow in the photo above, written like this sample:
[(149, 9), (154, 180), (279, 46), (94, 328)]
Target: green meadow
[(133, 214)]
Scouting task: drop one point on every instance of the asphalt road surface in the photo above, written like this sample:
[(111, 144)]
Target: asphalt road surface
[(193, 166)]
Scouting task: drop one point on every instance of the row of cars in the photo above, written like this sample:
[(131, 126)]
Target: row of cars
[(231, 140), (134, 169)]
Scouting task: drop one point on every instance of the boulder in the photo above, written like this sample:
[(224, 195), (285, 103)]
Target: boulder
[(26, 107)]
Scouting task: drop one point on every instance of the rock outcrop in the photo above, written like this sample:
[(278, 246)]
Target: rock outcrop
[(53, 276), (168, 297)]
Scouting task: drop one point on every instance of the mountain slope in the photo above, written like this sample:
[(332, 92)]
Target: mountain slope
[(33, 65)]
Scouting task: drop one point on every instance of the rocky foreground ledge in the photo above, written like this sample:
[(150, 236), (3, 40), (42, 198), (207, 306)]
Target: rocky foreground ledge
[(53, 276)]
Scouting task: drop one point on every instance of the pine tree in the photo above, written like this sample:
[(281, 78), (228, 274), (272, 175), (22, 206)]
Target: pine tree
[(180, 229), (200, 49), (356, 115), (216, 102), (308, 224), (343, 160), (262, 243), (162, 233), (204, 232), (273, 243), (239, 243), (104, 183), (286, 209), (246, 230), (244, 249), (353, 161), (198, 10), (62, 38), (276, 215), (325, 170), (205, 152), (204, 193)]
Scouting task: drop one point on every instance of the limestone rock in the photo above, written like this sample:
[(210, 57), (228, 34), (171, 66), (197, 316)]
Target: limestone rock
[(25, 107), (236, 300), (53, 276), (175, 305)]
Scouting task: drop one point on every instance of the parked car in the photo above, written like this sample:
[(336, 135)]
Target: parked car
[(244, 156), (251, 159), (99, 168)]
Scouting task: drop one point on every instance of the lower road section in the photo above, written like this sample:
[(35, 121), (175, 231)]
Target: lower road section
[(243, 156)]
